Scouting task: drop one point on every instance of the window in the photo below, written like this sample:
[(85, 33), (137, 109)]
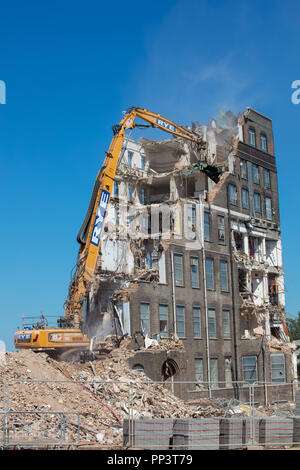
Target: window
[(163, 320), (263, 143), (207, 226), (143, 195), (194, 272), (257, 204), (116, 189), (212, 323), (277, 368), (255, 173), (129, 192), (180, 324), (117, 221), (245, 198), (197, 322), (142, 162), (209, 265), (226, 323), (267, 183), (145, 317), (244, 170), (213, 371), (221, 229), (232, 194), (199, 369), (224, 275), (268, 204), (252, 137), (178, 268), (249, 364), (130, 155)]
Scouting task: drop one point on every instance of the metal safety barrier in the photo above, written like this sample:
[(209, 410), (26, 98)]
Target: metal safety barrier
[(37, 428), (240, 425)]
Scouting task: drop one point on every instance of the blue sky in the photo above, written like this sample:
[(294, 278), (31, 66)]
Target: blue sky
[(72, 67)]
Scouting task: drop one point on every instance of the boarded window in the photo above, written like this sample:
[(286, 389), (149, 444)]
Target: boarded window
[(180, 329), (277, 368), (178, 268), (197, 322), (194, 271), (145, 317), (163, 320), (249, 369)]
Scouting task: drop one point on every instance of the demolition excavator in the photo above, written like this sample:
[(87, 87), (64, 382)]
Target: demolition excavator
[(70, 332)]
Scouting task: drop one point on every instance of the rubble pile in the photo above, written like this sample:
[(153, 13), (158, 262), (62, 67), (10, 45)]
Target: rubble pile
[(103, 392)]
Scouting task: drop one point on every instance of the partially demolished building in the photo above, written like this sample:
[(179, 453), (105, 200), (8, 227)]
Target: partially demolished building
[(184, 257)]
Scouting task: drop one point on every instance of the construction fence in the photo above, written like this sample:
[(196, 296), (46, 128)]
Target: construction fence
[(48, 414)]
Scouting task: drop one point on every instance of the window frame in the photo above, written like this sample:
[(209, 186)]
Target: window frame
[(268, 210), (147, 319), (199, 360), (254, 201), (263, 137), (129, 158), (177, 255), (226, 335), (212, 272), (233, 191), (165, 332), (244, 170), (248, 356), (180, 306), (255, 174), (245, 191), (198, 316), (268, 180), (222, 263), (252, 133), (194, 257), (207, 226), (220, 229), (273, 380), (214, 317)]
